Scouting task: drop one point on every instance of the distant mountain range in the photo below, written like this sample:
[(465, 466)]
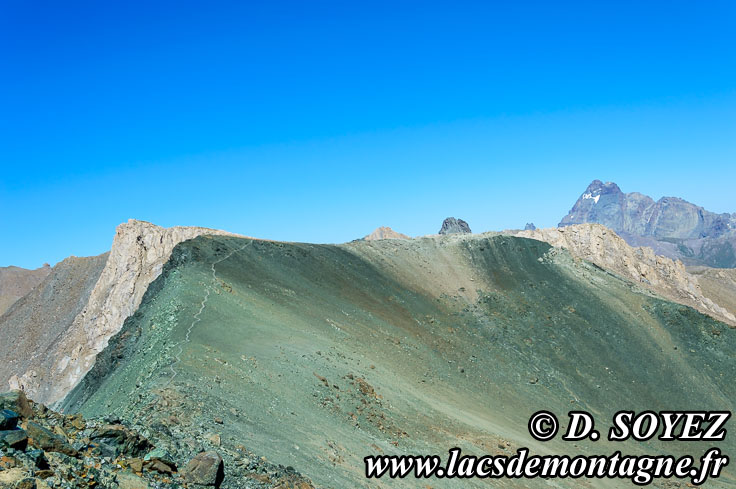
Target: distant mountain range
[(671, 226)]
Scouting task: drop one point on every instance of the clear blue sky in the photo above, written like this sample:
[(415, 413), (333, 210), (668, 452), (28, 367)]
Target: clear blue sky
[(319, 121)]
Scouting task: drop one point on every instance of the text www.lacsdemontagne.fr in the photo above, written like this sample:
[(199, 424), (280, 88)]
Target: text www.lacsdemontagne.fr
[(641, 470)]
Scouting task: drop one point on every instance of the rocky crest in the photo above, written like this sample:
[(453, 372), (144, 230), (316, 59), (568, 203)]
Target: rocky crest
[(634, 213), (292, 375), (454, 226), (671, 226), (139, 251), (603, 247), (385, 232)]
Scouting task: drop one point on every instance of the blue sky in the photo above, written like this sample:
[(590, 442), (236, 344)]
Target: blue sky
[(319, 121)]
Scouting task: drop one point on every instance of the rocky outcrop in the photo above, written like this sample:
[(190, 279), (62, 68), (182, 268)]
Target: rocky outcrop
[(385, 232), (17, 402), (64, 451), (15, 282), (718, 284), (603, 247), (454, 226), (205, 469), (41, 448), (530, 227), (671, 226), (138, 253)]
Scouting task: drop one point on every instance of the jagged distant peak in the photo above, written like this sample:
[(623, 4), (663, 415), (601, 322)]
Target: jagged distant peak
[(669, 225), (599, 184), (452, 225)]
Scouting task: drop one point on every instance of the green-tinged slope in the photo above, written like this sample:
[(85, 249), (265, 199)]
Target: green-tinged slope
[(318, 355)]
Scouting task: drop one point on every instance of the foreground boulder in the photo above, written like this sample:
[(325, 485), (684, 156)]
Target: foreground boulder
[(16, 401), (205, 469), (48, 441), (115, 439), (10, 477), (15, 439), (160, 460), (53, 450), (126, 480), (8, 419)]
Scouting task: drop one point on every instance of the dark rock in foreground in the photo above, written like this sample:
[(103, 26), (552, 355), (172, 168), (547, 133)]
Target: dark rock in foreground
[(206, 469), (15, 439), (8, 419), (118, 440), (16, 401), (52, 450), (48, 441)]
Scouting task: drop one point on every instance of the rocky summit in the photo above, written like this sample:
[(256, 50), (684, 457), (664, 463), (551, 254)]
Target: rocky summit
[(385, 232), (454, 226), (670, 226), (99, 293)]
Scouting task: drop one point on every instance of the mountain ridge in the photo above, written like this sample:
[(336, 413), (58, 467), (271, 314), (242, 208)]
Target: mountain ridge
[(316, 353), (320, 354), (140, 249), (137, 255), (671, 226), (664, 276)]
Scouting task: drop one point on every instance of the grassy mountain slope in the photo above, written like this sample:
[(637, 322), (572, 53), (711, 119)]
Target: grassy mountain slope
[(318, 355)]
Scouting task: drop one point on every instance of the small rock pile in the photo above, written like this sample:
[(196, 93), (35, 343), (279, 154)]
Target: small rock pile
[(43, 449)]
